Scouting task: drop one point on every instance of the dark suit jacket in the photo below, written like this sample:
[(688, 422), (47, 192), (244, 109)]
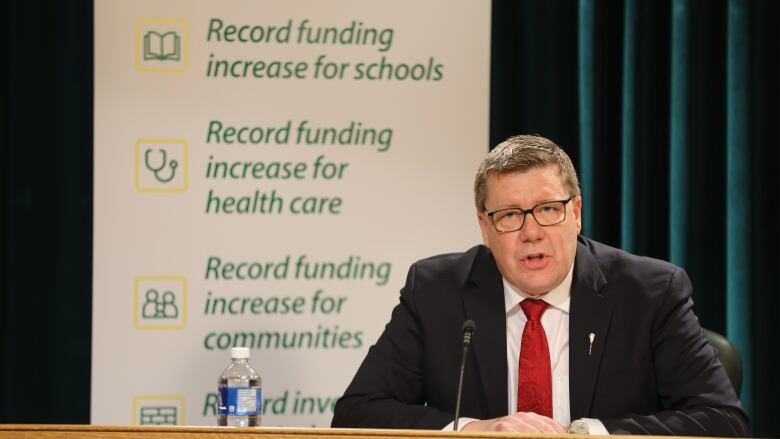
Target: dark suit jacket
[(651, 369)]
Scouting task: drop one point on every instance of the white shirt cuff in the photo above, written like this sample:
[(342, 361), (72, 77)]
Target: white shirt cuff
[(596, 427), (462, 422)]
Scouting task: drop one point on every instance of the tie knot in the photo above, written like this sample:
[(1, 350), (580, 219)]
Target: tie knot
[(533, 308)]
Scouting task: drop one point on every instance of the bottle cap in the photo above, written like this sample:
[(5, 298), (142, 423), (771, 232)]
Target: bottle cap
[(239, 352)]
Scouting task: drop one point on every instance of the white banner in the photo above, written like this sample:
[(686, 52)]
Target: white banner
[(265, 172)]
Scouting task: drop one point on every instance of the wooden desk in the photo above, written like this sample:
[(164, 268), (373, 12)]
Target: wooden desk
[(15, 431)]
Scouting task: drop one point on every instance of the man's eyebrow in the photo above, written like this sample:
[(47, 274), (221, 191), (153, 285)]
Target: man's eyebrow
[(515, 206)]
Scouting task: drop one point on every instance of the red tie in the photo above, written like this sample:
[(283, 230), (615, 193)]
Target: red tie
[(534, 384)]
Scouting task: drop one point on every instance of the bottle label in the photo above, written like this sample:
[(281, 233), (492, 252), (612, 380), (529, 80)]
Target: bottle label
[(240, 401)]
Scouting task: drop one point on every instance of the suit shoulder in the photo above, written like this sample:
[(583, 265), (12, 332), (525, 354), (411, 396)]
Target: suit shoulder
[(637, 282), (451, 259), (613, 261), (636, 278), (452, 266)]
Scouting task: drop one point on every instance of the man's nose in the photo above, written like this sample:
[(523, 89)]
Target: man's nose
[(531, 230)]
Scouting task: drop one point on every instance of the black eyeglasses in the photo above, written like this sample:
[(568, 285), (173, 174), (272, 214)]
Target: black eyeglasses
[(548, 213)]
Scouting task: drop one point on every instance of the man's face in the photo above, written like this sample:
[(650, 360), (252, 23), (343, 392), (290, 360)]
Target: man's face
[(534, 259)]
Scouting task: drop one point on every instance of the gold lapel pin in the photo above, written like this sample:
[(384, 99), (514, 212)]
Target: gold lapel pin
[(591, 337)]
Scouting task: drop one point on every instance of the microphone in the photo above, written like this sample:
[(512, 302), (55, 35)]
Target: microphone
[(468, 330)]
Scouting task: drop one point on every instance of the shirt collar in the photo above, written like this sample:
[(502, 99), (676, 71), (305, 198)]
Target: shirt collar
[(559, 297)]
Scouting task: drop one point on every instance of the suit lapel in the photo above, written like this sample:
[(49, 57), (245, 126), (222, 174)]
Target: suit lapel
[(590, 316), (483, 301)]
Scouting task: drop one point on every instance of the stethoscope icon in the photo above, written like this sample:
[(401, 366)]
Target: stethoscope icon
[(156, 171)]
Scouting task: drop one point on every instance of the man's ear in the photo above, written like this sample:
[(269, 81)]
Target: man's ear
[(484, 225)]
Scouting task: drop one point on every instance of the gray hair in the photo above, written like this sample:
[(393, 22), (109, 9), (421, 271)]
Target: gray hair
[(521, 153)]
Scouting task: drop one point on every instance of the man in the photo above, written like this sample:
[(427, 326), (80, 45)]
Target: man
[(570, 333)]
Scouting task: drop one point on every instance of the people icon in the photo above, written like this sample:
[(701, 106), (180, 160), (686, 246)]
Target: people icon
[(157, 306)]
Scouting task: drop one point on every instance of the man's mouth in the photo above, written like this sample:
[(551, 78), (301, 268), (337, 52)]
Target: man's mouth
[(535, 257), (535, 261)]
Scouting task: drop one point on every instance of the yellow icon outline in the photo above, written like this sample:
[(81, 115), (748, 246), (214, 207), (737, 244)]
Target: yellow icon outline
[(136, 320), (139, 398), (185, 65), (185, 166)]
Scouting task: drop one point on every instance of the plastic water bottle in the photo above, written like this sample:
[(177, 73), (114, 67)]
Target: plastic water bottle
[(240, 392)]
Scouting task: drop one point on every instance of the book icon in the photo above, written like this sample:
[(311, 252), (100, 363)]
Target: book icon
[(162, 46)]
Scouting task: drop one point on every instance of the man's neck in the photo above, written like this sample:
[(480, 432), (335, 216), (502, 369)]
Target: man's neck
[(558, 296)]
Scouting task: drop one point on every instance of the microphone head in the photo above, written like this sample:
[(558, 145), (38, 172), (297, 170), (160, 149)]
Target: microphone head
[(469, 326)]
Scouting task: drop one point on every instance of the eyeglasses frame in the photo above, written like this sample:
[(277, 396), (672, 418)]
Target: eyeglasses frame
[(526, 212)]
